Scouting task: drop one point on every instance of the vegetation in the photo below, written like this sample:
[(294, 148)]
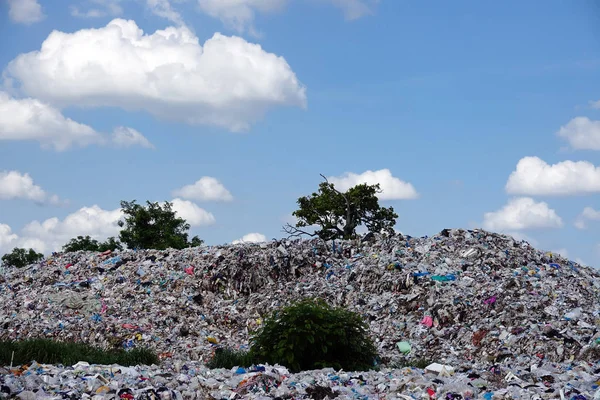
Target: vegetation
[(338, 214), (47, 351), (88, 244), (154, 227), (20, 257), (307, 335)]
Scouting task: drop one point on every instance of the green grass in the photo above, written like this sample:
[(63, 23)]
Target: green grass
[(46, 351), (229, 358)]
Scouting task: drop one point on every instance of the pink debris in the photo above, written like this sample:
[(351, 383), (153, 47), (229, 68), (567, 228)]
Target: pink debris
[(427, 321), (491, 300)]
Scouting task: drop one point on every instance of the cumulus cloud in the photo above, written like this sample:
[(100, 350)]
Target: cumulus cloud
[(392, 188), (205, 189), (8, 239), (588, 214), (193, 214), (534, 176), (581, 133), (25, 11), (128, 137), (239, 14), (522, 213), (53, 233), (31, 119), (227, 82), (163, 8), (251, 238), (100, 8), (355, 9), (16, 185)]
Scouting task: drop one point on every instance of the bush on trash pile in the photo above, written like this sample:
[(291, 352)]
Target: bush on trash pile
[(311, 334), (47, 351)]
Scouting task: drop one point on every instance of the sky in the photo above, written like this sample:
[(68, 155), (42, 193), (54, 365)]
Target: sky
[(469, 114)]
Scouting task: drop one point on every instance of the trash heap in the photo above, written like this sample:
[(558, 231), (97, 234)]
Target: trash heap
[(473, 300)]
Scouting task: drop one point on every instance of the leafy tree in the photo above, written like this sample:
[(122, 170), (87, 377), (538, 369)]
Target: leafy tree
[(339, 214), (88, 244), (312, 335), (154, 227), (20, 257)]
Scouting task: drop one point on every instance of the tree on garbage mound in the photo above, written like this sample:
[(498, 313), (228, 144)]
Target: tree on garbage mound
[(154, 227), (86, 243), (20, 257), (311, 334), (339, 214)]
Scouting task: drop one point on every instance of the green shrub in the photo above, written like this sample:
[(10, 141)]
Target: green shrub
[(21, 258), (229, 358), (47, 351), (311, 335)]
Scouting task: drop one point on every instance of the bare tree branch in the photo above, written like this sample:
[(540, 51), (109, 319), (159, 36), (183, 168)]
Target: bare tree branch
[(292, 231)]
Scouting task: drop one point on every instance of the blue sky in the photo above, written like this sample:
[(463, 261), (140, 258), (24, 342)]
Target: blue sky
[(484, 114)]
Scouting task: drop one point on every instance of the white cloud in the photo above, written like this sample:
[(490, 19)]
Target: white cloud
[(239, 14), (251, 238), (522, 213), (588, 214), (193, 214), (355, 9), (128, 137), (31, 119), (534, 176), (105, 8), (7, 239), (562, 252), (15, 185), (581, 133), (392, 188), (163, 9), (595, 104), (53, 233), (25, 11), (228, 82), (205, 189)]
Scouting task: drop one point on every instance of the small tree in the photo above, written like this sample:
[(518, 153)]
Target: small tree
[(20, 257), (154, 227), (88, 244), (311, 335), (339, 214)]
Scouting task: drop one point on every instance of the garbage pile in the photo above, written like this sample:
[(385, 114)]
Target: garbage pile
[(192, 380), (458, 298)]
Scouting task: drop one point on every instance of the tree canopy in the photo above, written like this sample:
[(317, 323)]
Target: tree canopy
[(88, 244), (154, 226), (338, 214), (20, 257)]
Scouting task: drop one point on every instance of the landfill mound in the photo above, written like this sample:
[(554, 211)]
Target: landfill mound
[(457, 298)]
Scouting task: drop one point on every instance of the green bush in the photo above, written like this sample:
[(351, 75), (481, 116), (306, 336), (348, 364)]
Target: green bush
[(311, 335), (46, 351), (229, 358), (21, 258)]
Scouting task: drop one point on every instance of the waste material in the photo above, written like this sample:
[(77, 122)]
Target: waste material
[(473, 300)]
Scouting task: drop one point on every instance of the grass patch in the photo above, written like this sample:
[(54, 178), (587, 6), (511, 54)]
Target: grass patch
[(47, 351), (229, 358)]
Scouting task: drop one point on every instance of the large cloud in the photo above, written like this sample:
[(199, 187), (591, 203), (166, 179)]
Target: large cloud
[(534, 176), (31, 119), (588, 214), (228, 82), (205, 189), (581, 133), (8, 239), (251, 238), (16, 185), (25, 11), (522, 213), (193, 214), (392, 188)]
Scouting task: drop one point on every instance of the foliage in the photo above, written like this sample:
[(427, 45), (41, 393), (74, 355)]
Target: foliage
[(20, 257), (229, 358), (339, 214), (88, 244), (154, 227), (68, 353), (311, 335)]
